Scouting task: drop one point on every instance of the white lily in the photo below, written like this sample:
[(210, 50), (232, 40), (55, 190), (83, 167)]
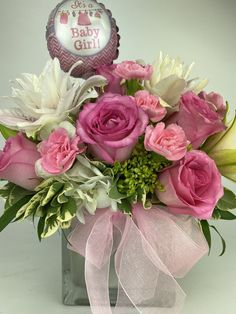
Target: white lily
[(222, 148), (48, 99), (170, 78)]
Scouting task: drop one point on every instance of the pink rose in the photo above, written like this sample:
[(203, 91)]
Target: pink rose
[(111, 127), (151, 105), (132, 70), (17, 162), (114, 81), (170, 142), (216, 101), (59, 151), (197, 119), (192, 187)]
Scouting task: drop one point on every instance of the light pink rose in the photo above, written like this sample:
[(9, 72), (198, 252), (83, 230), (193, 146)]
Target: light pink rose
[(197, 119), (132, 70), (151, 105), (59, 151), (170, 142), (111, 127), (114, 81), (17, 162), (192, 187), (216, 101)]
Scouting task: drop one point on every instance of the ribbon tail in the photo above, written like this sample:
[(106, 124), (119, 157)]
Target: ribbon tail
[(145, 284), (94, 241)]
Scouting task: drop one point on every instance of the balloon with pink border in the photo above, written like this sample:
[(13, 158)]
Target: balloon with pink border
[(82, 30)]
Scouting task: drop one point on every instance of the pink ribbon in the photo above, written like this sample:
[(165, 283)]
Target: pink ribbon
[(151, 248)]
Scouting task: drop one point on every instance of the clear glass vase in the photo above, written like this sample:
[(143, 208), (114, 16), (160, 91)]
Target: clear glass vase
[(74, 290)]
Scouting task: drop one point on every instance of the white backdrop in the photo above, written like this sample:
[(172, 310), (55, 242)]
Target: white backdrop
[(202, 31)]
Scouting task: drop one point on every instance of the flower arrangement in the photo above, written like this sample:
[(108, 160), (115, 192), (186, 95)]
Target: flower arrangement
[(141, 144)]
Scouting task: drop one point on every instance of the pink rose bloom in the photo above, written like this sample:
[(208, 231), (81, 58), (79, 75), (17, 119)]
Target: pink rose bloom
[(216, 101), (132, 70), (17, 162), (59, 151), (192, 187), (197, 119), (151, 105), (170, 142), (114, 81), (111, 127)]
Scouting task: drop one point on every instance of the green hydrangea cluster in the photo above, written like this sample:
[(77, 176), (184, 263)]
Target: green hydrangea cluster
[(140, 172)]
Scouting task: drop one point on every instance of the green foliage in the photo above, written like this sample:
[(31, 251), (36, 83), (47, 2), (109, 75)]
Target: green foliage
[(6, 132), (11, 212), (228, 201), (137, 177), (222, 214), (51, 202), (13, 193), (206, 229), (125, 206), (132, 86), (224, 206)]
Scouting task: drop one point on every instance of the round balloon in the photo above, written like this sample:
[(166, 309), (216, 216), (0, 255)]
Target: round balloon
[(82, 30)]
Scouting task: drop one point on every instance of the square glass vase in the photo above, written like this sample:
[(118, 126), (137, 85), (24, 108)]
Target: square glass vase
[(74, 292)]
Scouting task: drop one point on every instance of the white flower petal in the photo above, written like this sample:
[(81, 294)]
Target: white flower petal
[(170, 79), (48, 99)]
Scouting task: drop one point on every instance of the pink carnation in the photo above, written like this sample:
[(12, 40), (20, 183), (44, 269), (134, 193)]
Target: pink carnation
[(170, 142), (151, 105), (133, 70), (59, 151)]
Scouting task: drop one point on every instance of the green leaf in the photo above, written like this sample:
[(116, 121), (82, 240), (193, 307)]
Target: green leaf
[(216, 214), (228, 201), (15, 194), (226, 215), (222, 240), (11, 212), (51, 226), (133, 86), (40, 228), (125, 206), (32, 206), (5, 190), (6, 132), (115, 194), (68, 210), (53, 190), (206, 231), (158, 158)]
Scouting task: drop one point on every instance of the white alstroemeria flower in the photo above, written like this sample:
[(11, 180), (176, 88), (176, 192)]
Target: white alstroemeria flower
[(48, 99), (170, 78)]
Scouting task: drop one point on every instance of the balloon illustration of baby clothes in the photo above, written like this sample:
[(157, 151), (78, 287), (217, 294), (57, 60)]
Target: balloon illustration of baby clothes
[(83, 19)]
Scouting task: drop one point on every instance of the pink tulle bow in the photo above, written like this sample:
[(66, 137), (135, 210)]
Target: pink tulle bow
[(151, 248)]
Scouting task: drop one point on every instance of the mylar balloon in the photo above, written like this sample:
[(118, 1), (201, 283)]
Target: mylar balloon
[(82, 30)]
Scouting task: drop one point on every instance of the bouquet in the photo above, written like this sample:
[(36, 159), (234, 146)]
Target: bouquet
[(136, 148)]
